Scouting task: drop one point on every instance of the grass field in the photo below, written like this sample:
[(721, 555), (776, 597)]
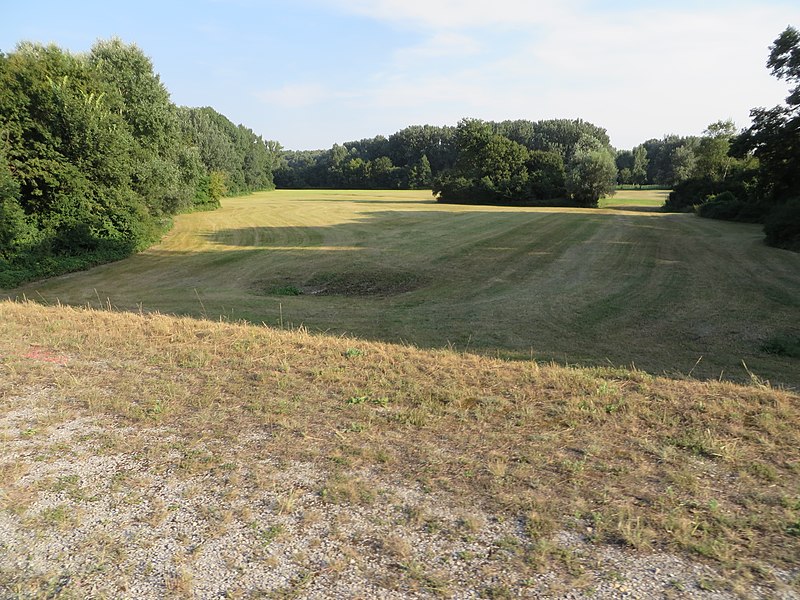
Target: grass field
[(152, 457), (624, 284)]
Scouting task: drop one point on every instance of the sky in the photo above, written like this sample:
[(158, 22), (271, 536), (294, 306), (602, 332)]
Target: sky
[(311, 73)]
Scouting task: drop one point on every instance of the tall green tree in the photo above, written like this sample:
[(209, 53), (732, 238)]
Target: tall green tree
[(592, 175), (421, 175), (661, 168), (639, 167), (774, 139), (684, 162), (774, 136), (94, 156), (493, 166), (14, 228), (546, 176), (713, 159), (144, 103), (624, 163)]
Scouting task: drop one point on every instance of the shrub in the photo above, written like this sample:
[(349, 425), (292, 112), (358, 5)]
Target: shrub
[(782, 226), (728, 207), (696, 191), (721, 206)]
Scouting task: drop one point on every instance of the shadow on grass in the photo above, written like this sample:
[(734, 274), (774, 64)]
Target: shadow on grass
[(371, 229), (360, 201), (635, 208)]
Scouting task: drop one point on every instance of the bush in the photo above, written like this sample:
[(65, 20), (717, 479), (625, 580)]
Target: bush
[(782, 226), (696, 191), (728, 207)]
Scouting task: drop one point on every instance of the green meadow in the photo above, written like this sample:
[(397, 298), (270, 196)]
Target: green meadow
[(622, 285)]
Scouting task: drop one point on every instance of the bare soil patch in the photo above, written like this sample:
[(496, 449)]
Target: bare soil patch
[(372, 282)]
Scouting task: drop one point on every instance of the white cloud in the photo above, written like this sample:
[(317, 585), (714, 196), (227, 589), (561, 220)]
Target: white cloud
[(298, 95), (457, 14), (639, 72), (440, 46)]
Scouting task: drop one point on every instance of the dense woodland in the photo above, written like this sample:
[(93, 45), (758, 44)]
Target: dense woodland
[(521, 162), (95, 159)]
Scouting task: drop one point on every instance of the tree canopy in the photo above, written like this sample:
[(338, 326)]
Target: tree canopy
[(508, 162), (94, 158)]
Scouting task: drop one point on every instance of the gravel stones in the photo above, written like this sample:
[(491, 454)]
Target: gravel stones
[(94, 509)]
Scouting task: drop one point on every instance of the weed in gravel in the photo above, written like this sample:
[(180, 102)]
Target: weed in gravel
[(429, 581), (158, 512), (472, 523), (342, 488), (268, 534), (496, 592), (397, 547), (61, 517), (180, 583), (295, 588), (288, 501)]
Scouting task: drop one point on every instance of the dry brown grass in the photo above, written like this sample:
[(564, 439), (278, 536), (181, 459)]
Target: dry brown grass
[(580, 286), (704, 468)]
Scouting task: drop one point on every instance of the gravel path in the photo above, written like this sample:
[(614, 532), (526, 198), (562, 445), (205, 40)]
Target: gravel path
[(93, 509)]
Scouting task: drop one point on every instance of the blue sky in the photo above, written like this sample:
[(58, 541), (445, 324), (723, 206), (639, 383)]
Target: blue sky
[(309, 73)]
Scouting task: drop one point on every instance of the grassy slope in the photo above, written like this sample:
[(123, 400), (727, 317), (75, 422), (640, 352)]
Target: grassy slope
[(710, 469), (622, 284)]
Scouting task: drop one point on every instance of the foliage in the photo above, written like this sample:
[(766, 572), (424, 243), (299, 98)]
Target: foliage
[(782, 226), (784, 61), (684, 162), (509, 162), (695, 191), (774, 141), (95, 157), (591, 176), (639, 167), (755, 176), (774, 136), (624, 163), (492, 168), (546, 175), (728, 207), (667, 159), (713, 160), (245, 161), (14, 227)]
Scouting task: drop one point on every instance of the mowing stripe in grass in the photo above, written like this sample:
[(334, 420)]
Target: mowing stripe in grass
[(622, 284)]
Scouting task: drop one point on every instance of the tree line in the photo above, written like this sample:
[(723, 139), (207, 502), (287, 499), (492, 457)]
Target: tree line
[(558, 161), (95, 158), (754, 175), (673, 159)]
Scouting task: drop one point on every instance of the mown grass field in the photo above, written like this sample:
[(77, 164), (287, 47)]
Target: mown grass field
[(622, 285), (150, 456)]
